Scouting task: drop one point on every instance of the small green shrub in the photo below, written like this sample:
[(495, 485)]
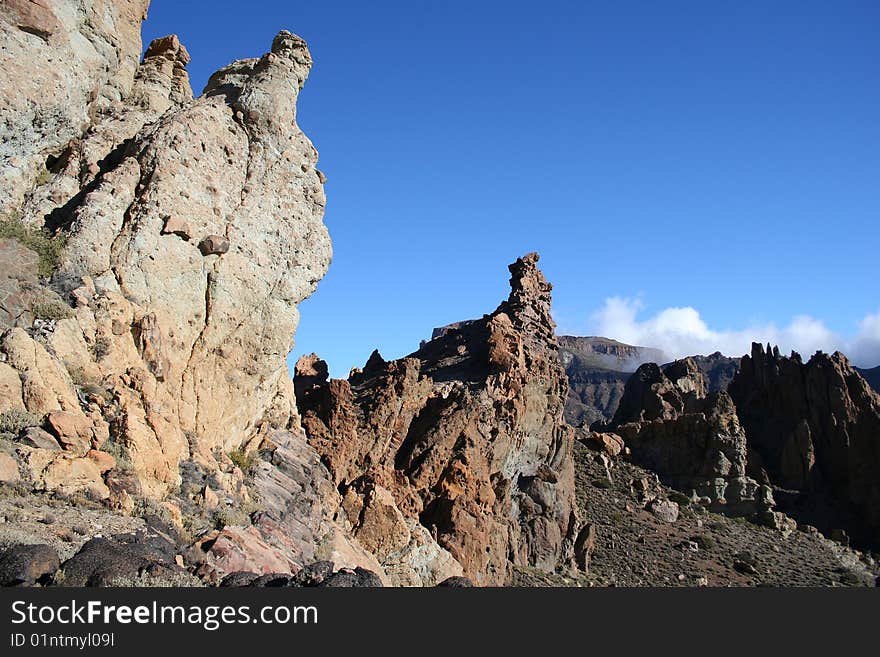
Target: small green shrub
[(704, 541), (15, 420), (679, 498), (101, 347), (234, 515), (52, 309), (243, 460), (49, 247), (119, 452), (601, 483), (43, 178)]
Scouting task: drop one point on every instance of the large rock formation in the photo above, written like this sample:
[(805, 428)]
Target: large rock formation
[(178, 350), (158, 246), (461, 444), (816, 428), (692, 438), (66, 65)]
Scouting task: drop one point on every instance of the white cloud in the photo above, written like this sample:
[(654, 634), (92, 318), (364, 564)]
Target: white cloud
[(865, 347), (682, 332)]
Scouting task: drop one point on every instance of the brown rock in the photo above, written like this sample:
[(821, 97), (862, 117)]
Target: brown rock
[(36, 437), (814, 427), (584, 546), (74, 432), (103, 460), (10, 389), (8, 469), (691, 438), (33, 16), (177, 226), (64, 473), (214, 245), (609, 443), (466, 435), (236, 549)]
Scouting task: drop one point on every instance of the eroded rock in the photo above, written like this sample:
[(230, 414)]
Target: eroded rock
[(466, 435)]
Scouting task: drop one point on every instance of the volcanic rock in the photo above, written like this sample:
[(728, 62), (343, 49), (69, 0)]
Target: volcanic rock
[(690, 437), (27, 565), (815, 428), (465, 435)]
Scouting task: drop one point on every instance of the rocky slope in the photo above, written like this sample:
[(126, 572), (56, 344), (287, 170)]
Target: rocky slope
[(634, 545), (462, 442), (801, 437)]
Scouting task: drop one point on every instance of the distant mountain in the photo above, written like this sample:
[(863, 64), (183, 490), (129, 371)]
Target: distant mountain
[(598, 369), (718, 369), (604, 353), (872, 376)]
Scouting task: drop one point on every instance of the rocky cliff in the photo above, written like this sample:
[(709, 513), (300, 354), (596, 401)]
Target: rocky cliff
[(155, 247), (190, 230), (689, 436), (815, 428), (462, 442)]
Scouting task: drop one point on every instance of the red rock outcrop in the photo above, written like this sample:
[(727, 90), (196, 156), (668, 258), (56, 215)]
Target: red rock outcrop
[(465, 436)]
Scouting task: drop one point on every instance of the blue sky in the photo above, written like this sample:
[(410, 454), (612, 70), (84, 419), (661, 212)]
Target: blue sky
[(666, 159)]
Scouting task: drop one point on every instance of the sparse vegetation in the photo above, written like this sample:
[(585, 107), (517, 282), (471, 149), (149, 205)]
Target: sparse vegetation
[(243, 460), (119, 452), (43, 178), (101, 347), (52, 309), (704, 541), (234, 515), (15, 420), (47, 246)]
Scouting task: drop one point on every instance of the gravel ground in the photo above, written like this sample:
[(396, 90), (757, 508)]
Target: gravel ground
[(33, 518), (635, 548)]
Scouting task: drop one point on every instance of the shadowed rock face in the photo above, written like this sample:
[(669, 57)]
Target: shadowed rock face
[(872, 376), (692, 438), (816, 428), (465, 436)]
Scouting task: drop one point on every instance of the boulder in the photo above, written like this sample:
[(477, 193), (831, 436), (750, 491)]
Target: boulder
[(214, 245), (665, 510), (28, 565), (39, 438), (121, 561), (357, 578), (8, 469)]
